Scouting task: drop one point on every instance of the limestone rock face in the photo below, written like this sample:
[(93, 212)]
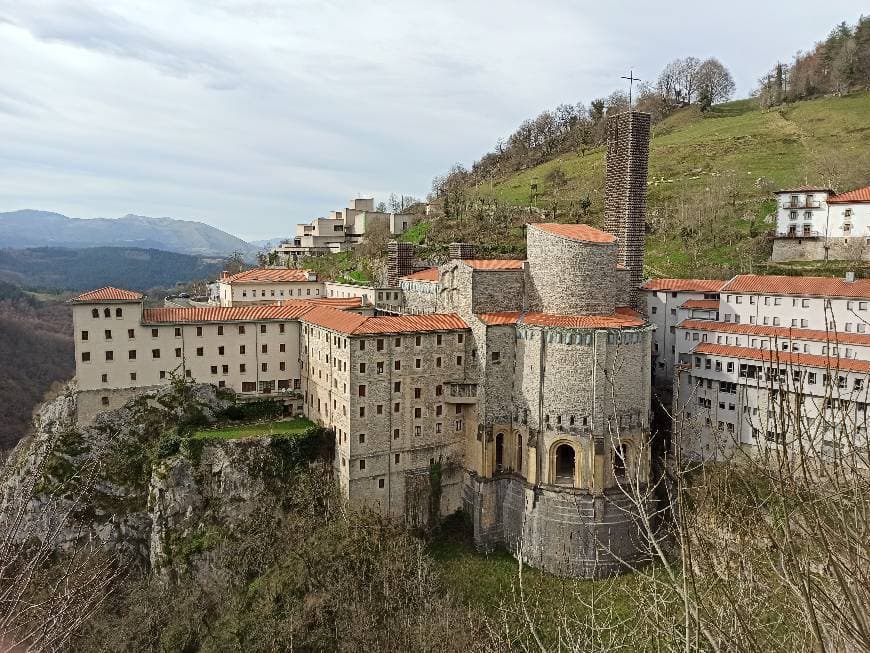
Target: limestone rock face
[(115, 484)]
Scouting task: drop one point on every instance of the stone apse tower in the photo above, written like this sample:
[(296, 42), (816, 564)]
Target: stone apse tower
[(564, 388)]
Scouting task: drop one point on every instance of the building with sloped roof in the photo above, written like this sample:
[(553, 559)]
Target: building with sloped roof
[(816, 223)]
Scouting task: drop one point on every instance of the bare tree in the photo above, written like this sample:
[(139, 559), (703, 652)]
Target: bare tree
[(714, 82)]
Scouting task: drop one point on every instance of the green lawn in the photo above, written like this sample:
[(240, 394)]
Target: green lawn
[(489, 581), (282, 427)]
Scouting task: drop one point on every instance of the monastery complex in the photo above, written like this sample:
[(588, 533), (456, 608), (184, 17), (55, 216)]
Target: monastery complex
[(529, 381)]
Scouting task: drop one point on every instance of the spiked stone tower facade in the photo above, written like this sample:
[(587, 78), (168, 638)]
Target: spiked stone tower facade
[(625, 193)]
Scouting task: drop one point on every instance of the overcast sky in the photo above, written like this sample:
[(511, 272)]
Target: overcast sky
[(253, 115)]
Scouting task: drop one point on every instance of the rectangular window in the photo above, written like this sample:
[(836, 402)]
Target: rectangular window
[(131, 333), (241, 329), (397, 365), (264, 367), (178, 352), (397, 386), (362, 368), (262, 328), (131, 355), (361, 391), (108, 334), (379, 345), (200, 351), (362, 464), (177, 332), (86, 356), (155, 353), (418, 412), (199, 331), (84, 335), (220, 330)]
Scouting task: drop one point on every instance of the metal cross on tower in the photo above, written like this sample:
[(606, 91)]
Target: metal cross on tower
[(631, 80)]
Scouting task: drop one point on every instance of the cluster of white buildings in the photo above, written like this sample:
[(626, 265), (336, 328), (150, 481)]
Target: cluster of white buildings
[(341, 231), (763, 359)]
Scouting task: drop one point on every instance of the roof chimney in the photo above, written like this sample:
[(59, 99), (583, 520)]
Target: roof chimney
[(850, 277), (225, 274)]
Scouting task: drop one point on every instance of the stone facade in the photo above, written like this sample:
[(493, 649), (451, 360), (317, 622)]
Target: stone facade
[(400, 261), (821, 249)]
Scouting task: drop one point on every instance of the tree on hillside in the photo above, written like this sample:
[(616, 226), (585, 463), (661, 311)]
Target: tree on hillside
[(714, 83)]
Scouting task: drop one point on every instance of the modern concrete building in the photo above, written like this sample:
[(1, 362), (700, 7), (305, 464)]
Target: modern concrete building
[(815, 223), (341, 231)]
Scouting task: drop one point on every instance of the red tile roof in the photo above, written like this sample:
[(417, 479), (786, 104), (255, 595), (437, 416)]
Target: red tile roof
[(500, 318), (335, 302), (702, 304), (581, 232), (806, 189), (684, 285), (225, 313), (784, 358), (494, 263), (353, 324), (801, 286), (853, 196), (623, 317), (108, 294), (780, 333), (270, 275), (423, 275)]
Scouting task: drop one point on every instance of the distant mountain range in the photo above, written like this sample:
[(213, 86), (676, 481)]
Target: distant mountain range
[(30, 228), (85, 268)]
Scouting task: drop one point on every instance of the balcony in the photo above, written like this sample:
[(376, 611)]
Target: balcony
[(812, 204), (461, 393), (798, 234)]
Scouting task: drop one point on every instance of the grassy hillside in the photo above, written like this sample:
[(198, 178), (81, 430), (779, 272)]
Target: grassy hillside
[(711, 177)]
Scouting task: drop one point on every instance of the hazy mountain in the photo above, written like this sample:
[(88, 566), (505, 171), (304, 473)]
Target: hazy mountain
[(29, 228), (267, 243), (60, 268)]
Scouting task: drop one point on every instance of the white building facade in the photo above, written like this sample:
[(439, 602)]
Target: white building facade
[(815, 223)]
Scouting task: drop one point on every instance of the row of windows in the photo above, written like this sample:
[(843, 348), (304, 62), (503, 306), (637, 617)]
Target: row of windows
[(289, 292), (397, 387), (155, 354), (107, 312), (397, 408), (155, 332)]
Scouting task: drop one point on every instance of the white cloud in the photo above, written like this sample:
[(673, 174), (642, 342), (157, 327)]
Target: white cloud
[(253, 115)]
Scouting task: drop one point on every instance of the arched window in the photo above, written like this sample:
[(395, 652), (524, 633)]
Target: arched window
[(107, 312), (499, 452), (519, 452), (118, 312), (564, 460), (95, 312)]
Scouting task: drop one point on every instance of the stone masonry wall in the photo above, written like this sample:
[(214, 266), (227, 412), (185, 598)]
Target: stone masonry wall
[(569, 277), (564, 532), (820, 249)]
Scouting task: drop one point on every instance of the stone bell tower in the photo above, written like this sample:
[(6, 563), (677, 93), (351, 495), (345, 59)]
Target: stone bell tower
[(625, 188)]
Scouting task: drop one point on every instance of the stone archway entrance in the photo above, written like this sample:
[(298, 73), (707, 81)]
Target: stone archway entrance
[(565, 462)]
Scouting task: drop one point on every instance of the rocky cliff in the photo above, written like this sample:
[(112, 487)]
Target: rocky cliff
[(136, 484)]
